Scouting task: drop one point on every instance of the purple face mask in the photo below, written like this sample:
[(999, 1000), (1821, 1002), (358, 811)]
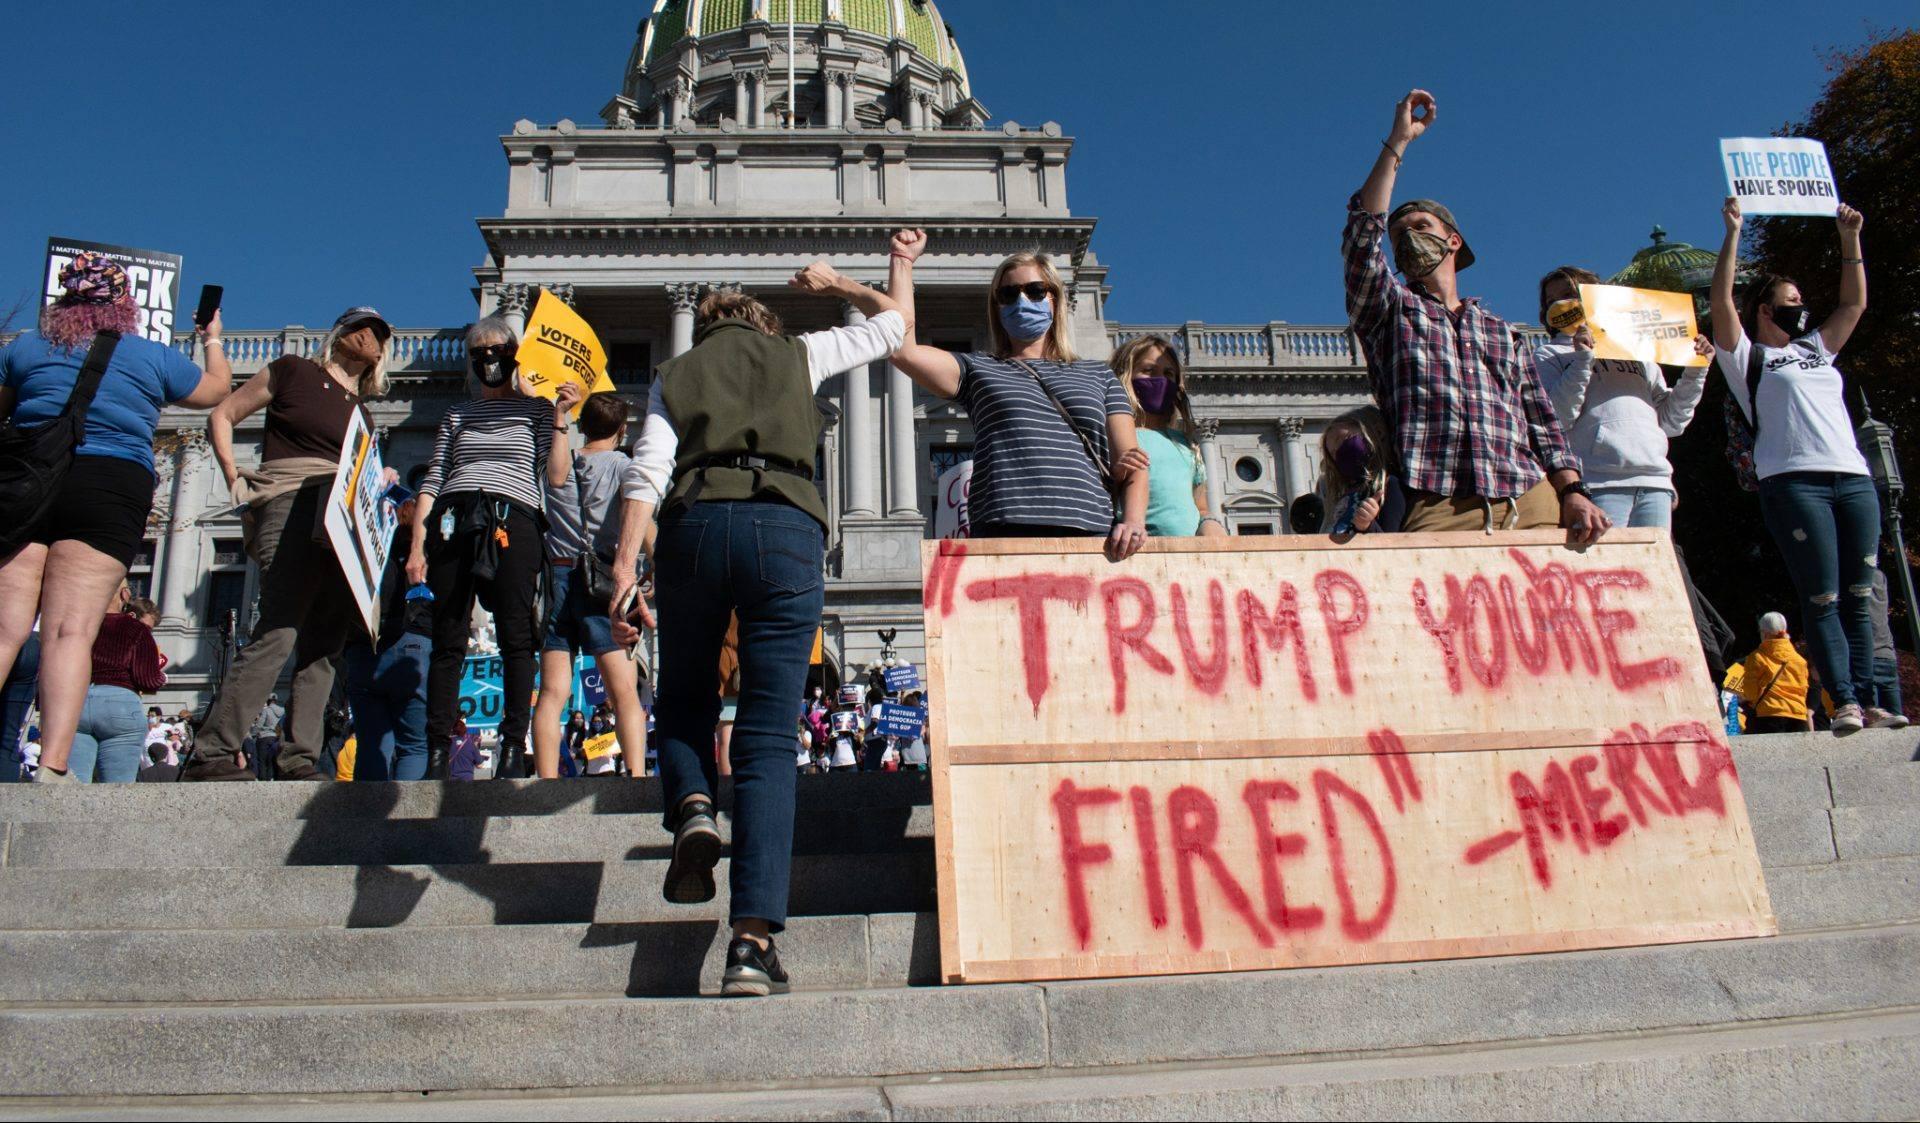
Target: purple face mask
[(1350, 458), (1155, 393)]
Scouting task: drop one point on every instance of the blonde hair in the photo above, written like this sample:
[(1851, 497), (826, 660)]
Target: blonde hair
[(373, 384), (1334, 486), (1134, 354), (739, 306), (1059, 335)]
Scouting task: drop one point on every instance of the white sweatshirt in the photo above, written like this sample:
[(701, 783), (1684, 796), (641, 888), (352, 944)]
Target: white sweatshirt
[(1617, 415)]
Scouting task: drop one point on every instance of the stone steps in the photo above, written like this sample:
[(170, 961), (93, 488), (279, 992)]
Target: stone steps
[(1850, 1067), (452, 962), (508, 937), (664, 1043), (383, 896)]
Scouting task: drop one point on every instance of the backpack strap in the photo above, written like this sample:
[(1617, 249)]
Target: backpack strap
[(1756, 368), (91, 372)]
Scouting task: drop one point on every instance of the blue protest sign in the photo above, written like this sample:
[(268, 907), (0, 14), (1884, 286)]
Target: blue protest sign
[(482, 700), (901, 721), (902, 678)]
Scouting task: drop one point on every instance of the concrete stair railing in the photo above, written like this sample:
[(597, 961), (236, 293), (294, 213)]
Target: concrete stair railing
[(497, 939)]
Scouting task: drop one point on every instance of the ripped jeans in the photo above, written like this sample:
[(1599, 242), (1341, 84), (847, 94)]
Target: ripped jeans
[(1827, 527)]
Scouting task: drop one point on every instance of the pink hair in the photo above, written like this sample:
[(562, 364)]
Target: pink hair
[(73, 325)]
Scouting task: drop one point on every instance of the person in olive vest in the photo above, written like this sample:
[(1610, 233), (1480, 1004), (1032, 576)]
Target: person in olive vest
[(727, 455)]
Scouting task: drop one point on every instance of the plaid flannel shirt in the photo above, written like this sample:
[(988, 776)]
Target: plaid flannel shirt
[(1468, 413)]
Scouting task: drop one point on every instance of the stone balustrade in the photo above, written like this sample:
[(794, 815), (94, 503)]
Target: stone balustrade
[(416, 351), (1263, 345)]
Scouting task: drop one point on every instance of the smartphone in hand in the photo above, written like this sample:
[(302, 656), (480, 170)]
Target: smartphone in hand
[(209, 304)]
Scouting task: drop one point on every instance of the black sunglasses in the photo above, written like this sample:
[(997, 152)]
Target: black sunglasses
[(1035, 291), (493, 351)]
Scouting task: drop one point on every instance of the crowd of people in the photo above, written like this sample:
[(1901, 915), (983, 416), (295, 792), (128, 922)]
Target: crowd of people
[(712, 529)]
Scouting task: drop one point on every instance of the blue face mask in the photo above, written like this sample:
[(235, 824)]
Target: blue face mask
[(1026, 321)]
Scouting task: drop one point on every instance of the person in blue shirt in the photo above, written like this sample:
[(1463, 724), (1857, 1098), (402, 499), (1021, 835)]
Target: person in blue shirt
[(77, 557), (1150, 373)]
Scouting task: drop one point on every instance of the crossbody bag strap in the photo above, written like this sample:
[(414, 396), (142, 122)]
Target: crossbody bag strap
[(1100, 466), (1756, 367), (91, 372), (1769, 689)]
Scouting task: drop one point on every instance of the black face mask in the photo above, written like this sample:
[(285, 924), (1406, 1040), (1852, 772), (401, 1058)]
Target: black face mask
[(494, 366), (1794, 319)]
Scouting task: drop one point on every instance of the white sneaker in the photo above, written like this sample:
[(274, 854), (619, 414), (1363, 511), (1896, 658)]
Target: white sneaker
[(1848, 719), (1878, 718)]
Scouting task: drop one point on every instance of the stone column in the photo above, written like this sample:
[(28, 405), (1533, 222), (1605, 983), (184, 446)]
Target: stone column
[(1206, 431), (683, 298), (835, 104), (174, 581), (849, 99), (563, 292), (1294, 457), (740, 99), (759, 99), (516, 300), (859, 427), (903, 461)]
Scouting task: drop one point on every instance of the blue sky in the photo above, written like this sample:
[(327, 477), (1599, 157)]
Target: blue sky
[(309, 156)]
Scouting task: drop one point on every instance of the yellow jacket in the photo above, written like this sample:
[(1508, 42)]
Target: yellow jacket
[(1775, 661)]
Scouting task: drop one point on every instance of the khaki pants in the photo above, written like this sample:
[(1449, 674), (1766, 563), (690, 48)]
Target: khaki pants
[(1538, 509), (306, 611)]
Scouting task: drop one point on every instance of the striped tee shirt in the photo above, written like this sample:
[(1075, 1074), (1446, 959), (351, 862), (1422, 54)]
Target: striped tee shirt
[(497, 445), (1028, 467)]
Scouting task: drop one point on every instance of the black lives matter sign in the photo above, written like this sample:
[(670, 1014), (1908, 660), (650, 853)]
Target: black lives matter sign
[(152, 276)]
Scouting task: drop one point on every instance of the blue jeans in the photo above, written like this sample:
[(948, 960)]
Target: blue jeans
[(1886, 686), (388, 696), (575, 623), (1827, 527), (761, 561), (111, 738), (22, 683), (1635, 506)]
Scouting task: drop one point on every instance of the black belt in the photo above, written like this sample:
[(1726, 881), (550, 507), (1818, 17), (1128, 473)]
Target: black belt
[(749, 463)]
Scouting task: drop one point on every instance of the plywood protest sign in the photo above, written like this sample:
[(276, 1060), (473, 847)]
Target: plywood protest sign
[(1779, 175), (559, 347), (153, 280), (1231, 754), (1641, 325), (360, 521)]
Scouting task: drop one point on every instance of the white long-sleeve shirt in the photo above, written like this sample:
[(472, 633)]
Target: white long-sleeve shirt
[(829, 352), (1617, 415)]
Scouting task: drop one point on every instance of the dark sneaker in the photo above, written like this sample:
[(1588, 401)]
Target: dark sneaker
[(200, 769), (752, 972), (696, 850), (300, 771)]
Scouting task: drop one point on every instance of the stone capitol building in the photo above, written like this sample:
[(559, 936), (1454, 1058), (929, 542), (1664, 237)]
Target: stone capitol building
[(747, 137)]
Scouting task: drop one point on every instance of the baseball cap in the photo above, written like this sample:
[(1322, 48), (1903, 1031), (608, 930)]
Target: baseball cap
[(360, 314), (1464, 257)]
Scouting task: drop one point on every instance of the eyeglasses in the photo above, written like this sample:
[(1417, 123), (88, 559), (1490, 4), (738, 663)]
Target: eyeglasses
[(1035, 291), (492, 352)]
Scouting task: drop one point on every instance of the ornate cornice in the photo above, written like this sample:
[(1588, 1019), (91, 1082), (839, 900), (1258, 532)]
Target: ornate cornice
[(625, 237)]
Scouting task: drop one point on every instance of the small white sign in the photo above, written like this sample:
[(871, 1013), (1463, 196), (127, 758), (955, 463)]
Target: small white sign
[(1779, 175), (360, 521)]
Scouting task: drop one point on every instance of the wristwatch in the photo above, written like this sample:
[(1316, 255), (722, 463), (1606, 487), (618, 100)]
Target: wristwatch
[(1577, 487)]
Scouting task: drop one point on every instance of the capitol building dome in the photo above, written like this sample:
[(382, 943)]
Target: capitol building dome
[(852, 64)]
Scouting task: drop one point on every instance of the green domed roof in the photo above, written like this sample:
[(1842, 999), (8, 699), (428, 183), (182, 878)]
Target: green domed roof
[(916, 21), (1667, 266)]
